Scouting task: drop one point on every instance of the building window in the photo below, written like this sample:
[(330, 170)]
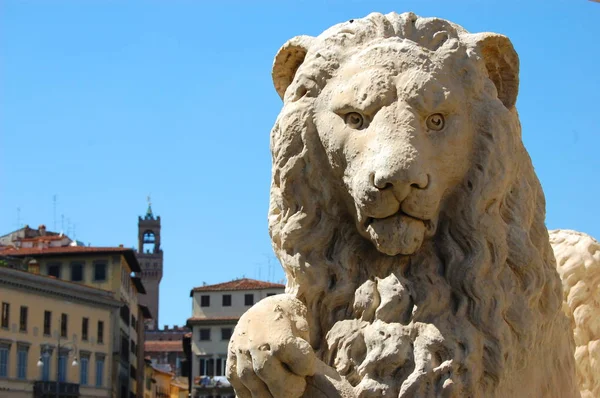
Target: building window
[(202, 366), (100, 332), (124, 347), (207, 366), (45, 367), (227, 300), (5, 315), (204, 334), (84, 328), (226, 333), (132, 346), (248, 299), (62, 367), (221, 366), (22, 362), (99, 272), (63, 325), (210, 367), (205, 301), (125, 314), (54, 270), (4, 360), (47, 322), (76, 272), (99, 372), (83, 371), (23, 319), (132, 372)]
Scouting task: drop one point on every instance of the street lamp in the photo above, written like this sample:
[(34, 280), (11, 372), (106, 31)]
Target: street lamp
[(40, 363), (46, 351)]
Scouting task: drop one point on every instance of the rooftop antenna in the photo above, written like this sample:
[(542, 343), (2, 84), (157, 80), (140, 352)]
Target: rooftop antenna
[(269, 271), (62, 223), (18, 217), (258, 270), (270, 268)]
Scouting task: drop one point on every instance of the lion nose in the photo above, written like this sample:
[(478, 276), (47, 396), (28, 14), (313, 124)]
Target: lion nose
[(401, 180)]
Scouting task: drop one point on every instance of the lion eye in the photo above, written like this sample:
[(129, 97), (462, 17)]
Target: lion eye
[(354, 120), (435, 122)]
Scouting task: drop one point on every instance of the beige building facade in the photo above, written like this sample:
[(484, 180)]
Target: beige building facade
[(52, 329), (111, 270), (215, 312)]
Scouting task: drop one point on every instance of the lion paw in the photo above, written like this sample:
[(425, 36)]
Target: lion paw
[(269, 355)]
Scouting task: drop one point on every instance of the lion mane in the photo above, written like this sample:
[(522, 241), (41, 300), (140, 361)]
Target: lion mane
[(486, 279)]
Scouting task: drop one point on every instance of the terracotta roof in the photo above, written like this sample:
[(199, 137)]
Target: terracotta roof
[(129, 254), (64, 249), (238, 284), (163, 346)]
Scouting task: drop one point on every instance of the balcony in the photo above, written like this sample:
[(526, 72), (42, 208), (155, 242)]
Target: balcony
[(47, 389)]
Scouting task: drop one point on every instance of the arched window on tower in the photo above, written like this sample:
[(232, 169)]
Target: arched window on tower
[(149, 242)]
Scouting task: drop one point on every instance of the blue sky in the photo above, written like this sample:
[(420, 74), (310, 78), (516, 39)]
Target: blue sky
[(105, 102)]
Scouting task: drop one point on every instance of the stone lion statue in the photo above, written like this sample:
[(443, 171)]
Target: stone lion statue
[(410, 224), (578, 263)]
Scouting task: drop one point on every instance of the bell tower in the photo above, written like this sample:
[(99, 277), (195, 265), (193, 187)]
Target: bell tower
[(150, 257)]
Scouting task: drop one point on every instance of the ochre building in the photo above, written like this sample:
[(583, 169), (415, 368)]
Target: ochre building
[(46, 325), (109, 270)]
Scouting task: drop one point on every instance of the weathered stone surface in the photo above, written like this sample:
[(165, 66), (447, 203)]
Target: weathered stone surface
[(410, 223), (578, 263)]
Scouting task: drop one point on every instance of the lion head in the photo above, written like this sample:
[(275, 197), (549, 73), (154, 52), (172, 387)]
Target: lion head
[(398, 152)]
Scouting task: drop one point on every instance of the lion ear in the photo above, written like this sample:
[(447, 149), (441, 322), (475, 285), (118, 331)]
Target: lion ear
[(287, 61), (502, 63)]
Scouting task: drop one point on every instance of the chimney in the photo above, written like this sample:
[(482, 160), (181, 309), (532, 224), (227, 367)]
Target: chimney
[(42, 229), (166, 327)]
